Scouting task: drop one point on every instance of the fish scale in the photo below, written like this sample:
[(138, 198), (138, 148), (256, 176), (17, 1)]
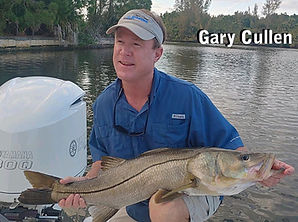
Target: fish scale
[(140, 186)]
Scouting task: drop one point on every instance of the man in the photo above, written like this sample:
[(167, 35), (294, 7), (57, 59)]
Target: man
[(146, 109)]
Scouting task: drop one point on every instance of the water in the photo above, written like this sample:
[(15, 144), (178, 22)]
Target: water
[(255, 88)]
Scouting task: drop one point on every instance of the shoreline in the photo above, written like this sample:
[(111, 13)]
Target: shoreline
[(53, 48), (235, 46), (110, 45), (12, 44)]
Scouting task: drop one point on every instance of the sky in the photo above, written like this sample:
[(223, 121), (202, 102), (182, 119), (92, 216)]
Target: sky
[(227, 7)]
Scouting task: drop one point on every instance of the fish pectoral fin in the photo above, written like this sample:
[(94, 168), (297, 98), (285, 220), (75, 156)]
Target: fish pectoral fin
[(162, 196), (100, 213), (110, 162)]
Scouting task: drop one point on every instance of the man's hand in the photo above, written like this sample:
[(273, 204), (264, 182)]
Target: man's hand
[(275, 178), (174, 211), (73, 200)]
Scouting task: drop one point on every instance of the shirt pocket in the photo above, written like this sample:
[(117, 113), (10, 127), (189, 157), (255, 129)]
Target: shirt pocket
[(114, 143), (103, 131), (173, 134)]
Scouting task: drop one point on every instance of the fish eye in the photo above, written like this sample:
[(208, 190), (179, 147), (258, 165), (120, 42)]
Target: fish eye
[(244, 157)]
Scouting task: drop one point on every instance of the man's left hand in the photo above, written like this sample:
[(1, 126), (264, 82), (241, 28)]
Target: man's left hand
[(275, 178)]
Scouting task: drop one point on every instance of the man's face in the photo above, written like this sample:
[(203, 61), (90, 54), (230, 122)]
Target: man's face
[(133, 57)]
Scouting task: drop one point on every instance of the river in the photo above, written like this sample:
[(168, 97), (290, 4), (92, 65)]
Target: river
[(255, 88)]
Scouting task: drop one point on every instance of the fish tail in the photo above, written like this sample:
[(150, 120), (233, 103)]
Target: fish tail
[(36, 197), (42, 188)]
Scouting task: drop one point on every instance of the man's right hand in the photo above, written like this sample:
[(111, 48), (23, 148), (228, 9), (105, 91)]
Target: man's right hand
[(73, 200)]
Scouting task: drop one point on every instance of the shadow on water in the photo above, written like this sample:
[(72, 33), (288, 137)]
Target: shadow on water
[(255, 89)]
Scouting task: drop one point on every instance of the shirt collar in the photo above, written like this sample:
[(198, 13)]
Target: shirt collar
[(154, 88), (155, 85), (118, 88)]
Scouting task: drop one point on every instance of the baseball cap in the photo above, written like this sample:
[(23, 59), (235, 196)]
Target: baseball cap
[(141, 24)]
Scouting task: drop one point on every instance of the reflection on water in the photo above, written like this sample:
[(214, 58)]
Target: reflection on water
[(255, 88)]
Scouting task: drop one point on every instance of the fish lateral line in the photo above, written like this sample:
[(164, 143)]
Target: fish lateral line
[(120, 183)]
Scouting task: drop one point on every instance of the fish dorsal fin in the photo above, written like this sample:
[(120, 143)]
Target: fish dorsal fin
[(110, 162), (40, 180), (164, 196), (149, 152), (101, 213)]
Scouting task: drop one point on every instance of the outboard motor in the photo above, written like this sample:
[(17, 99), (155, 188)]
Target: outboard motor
[(42, 128)]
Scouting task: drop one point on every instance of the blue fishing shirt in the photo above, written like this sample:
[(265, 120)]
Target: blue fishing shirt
[(177, 115)]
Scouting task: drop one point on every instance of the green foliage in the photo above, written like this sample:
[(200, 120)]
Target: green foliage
[(183, 23), (20, 16), (28, 17), (171, 22), (270, 7), (188, 17), (102, 14), (192, 5), (85, 38)]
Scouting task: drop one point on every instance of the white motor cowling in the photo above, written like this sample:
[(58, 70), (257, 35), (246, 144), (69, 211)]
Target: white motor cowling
[(42, 128)]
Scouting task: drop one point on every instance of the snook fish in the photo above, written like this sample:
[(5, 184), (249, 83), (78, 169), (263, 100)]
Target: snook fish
[(170, 172)]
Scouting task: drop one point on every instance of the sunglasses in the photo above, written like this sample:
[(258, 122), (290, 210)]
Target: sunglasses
[(121, 128)]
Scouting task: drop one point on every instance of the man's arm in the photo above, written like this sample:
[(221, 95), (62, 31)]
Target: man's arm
[(75, 200)]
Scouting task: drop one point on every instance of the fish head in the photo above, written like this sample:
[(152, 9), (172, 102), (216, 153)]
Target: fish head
[(245, 166), (228, 172)]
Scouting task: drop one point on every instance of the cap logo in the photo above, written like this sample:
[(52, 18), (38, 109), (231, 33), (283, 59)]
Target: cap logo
[(133, 17)]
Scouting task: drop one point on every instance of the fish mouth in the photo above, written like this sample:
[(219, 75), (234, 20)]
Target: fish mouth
[(262, 170), (265, 170)]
